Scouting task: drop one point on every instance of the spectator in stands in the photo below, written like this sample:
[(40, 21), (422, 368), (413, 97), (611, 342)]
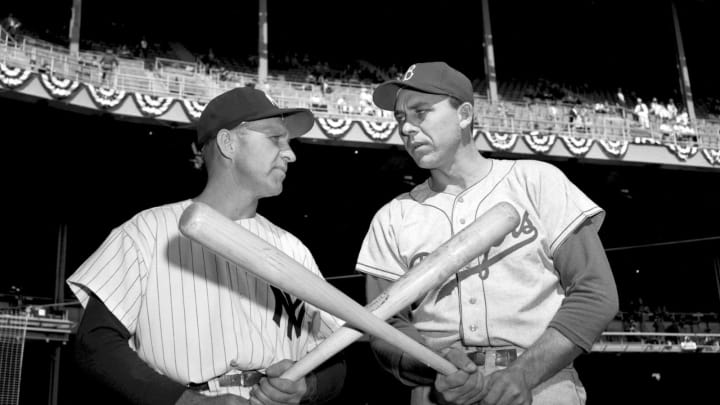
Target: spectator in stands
[(553, 111), (209, 61), (673, 328), (143, 48), (108, 63), (124, 51), (341, 105), (366, 103), (574, 116), (671, 109), (621, 98), (11, 24), (642, 113), (600, 108), (620, 103)]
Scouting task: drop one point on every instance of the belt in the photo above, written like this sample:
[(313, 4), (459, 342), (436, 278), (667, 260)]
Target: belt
[(242, 379), (498, 357)]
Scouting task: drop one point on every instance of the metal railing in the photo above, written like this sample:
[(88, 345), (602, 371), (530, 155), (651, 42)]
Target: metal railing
[(184, 80)]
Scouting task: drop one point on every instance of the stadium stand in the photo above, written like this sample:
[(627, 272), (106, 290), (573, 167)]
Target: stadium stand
[(526, 106)]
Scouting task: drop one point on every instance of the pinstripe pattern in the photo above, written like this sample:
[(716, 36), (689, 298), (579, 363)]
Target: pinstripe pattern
[(191, 312), (507, 297)]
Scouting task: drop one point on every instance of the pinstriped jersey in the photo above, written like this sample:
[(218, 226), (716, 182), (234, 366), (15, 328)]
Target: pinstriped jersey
[(509, 295), (193, 313)]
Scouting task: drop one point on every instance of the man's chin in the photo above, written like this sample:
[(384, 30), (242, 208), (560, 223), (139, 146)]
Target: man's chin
[(424, 162)]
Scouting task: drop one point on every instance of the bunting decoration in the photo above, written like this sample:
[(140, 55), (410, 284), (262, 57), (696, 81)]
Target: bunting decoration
[(378, 131), (106, 97), (152, 106), (616, 149), (712, 156), (500, 141), (13, 77), (539, 143), (58, 87), (334, 128), (193, 108), (683, 153), (578, 146)]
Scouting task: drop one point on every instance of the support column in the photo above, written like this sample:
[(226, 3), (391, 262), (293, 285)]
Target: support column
[(683, 69), (75, 18), (59, 298), (262, 44), (489, 54)]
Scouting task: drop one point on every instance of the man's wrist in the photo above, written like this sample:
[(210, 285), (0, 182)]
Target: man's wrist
[(310, 395)]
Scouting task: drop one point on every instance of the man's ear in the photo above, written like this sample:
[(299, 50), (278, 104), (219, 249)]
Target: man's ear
[(465, 113), (225, 142)]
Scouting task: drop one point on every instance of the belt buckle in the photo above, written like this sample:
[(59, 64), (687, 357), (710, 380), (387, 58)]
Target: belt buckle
[(505, 357), (250, 378), (491, 357)]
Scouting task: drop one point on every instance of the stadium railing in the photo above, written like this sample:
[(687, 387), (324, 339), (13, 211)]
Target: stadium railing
[(178, 79), (649, 342)]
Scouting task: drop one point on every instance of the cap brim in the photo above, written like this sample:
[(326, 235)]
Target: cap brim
[(385, 94), (298, 121)]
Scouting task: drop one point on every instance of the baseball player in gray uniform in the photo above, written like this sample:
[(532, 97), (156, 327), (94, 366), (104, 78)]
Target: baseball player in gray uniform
[(168, 321), (514, 319)]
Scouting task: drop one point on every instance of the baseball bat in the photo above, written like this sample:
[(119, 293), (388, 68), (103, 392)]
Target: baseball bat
[(477, 238), (201, 223)]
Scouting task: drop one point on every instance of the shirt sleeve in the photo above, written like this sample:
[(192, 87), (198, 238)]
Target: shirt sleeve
[(591, 298), (114, 273), (562, 206), (379, 254)]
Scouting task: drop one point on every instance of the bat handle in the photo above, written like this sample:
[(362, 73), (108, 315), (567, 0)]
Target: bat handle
[(340, 339), (334, 343)]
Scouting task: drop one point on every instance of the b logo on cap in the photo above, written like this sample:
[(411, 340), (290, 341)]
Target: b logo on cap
[(409, 74)]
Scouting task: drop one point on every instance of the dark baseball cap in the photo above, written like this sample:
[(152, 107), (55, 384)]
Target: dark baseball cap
[(243, 104), (427, 77)]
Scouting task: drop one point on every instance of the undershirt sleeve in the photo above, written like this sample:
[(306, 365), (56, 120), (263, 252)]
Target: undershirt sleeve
[(591, 299), (404, 367), (102, 351)]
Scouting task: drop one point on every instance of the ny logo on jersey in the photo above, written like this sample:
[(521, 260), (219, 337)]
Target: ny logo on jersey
[(284, 302), (526, 227)]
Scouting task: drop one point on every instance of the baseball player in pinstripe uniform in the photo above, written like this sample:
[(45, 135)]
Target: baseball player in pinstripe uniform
[(167, 321), (514, 319)]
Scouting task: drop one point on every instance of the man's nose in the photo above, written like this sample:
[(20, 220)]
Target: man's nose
[(287, 153), (408, 129)]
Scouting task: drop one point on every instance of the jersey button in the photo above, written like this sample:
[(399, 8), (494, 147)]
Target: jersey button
[(473, 300), (460, 200), (473, 328), (462, 221)]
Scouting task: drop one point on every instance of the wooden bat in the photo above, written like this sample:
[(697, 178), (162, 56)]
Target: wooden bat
[(208, 227), (477, 238)]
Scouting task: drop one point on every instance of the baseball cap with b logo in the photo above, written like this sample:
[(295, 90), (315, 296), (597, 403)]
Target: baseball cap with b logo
[(427, 77)]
